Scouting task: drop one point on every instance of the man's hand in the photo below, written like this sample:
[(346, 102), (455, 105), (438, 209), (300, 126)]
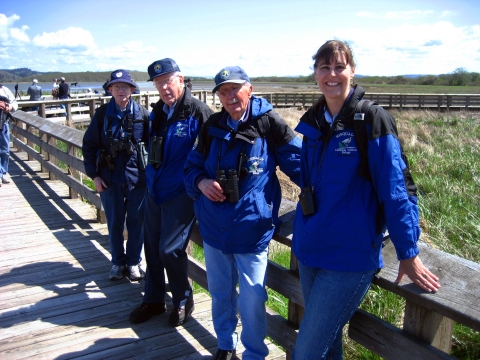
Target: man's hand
[(211, 189), (99, 184), (418, 273)]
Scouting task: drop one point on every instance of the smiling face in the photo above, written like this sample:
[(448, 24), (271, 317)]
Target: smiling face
[(334, 78), (234, 98), (121, 92)]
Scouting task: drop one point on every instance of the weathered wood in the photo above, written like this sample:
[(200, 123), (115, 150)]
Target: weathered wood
[(388, 341)]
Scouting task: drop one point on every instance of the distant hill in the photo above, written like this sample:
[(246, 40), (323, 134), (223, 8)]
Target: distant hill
[(26, 75)]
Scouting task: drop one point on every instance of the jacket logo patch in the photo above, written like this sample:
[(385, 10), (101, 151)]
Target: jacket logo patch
[(253, 167), (344, 148), (181, 130)]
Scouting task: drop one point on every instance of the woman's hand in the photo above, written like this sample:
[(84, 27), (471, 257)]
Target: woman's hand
[(211, 189), (99, 184), (418, 273)]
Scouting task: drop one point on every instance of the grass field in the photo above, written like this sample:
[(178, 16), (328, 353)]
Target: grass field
[(444, 155)]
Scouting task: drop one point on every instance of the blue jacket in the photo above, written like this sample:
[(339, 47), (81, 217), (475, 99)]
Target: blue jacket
[(179, 134), (248, 225), (341, 235), (95, 140)]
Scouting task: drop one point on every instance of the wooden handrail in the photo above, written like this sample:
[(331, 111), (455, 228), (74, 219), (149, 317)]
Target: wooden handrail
[(428, 319)]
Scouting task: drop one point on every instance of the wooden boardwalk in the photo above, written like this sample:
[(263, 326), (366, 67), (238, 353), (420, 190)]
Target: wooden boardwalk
[(56, 301)]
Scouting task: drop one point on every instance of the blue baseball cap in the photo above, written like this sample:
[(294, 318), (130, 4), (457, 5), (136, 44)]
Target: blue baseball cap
[(230, 74), (161, 67), (120, 75)]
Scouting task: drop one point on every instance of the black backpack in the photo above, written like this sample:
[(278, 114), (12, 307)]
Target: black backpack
[(362, 117)]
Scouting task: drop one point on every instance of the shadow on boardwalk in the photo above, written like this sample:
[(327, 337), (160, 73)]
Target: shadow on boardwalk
[(56, 301)]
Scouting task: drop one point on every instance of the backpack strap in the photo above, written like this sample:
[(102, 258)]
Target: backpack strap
[(264, 129), (360, 120)]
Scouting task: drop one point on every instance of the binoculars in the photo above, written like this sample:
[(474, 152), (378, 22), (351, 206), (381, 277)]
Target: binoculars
[(230, 185), (156, 151), (119, 145)]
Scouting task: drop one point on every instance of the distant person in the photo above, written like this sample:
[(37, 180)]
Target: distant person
[(105, 88), (231, 174), (17, 94), (8, 104), (346, 205), (55, 89), (188, 82), (174, 125), (35, 92), (113, 149), (63, 92)]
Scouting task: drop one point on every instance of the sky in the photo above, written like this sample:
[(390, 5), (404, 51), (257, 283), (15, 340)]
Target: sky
[(264, 37)]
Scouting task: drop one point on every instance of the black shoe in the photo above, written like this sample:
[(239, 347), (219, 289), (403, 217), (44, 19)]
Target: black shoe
[(145, 312), (225, 355), (180, 315)]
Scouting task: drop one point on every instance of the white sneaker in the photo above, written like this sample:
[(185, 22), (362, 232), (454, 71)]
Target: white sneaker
[(6, 179), (117, 272), (135, 272)]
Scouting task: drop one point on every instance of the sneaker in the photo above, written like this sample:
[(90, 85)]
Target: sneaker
[(145, 312), (117, 272), (6, 179), (180, 315), (225, 355), (135, 272)]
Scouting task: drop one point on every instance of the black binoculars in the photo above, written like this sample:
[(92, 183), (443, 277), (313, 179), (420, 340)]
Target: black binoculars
[(119, 145), (230, 185), (156, 151), (306, 201)]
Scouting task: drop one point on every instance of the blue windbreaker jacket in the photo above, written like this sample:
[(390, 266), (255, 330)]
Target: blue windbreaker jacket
[(95, 139), (248, 225), (341, 235), (179, 132)]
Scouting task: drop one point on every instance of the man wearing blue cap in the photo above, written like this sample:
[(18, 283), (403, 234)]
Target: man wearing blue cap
[(113, 151), (169, 218), (231, 175)]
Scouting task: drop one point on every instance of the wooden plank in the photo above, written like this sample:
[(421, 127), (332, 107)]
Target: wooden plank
[(388, 341)]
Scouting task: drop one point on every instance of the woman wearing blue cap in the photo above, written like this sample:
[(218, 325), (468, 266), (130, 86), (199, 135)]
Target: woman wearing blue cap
[(112, 150)]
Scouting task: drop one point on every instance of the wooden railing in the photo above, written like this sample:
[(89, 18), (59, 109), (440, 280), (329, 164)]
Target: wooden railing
[(428, 319), (387, 100), (82, 109)]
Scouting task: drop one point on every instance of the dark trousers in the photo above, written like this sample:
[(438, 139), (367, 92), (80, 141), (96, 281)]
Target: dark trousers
[(167, 231)]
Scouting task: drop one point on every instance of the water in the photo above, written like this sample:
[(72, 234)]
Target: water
[(82, 87)]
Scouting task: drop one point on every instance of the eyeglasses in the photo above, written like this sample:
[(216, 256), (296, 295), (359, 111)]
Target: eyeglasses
[(164, 82), (118, 87)]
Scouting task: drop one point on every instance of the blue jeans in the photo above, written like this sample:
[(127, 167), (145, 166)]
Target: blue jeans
[(4, 148), (331, 298), (124, 206), (167, 231), (223, 273)]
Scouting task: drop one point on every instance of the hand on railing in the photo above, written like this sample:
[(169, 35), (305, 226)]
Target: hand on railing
[(418, 273)]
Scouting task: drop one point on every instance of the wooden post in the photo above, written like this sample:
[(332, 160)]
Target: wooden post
[(45, 154), (52, 141), (69, 118), (214, 100), (295, 311), (42, 110), (71, 171), (429, 326), (91, 108)]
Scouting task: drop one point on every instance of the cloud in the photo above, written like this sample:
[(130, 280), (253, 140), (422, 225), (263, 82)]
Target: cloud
[(72, 38), (367, 14), (408, 15), (10, 36)]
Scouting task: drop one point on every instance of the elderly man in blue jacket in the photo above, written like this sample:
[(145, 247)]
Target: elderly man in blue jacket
[(169, 218), (113, 148), (231, 175)]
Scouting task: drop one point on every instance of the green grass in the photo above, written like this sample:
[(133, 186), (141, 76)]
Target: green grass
[(418, 89), (444, 154)]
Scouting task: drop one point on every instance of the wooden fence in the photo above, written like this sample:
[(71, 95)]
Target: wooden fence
[(82, 109), (428, 319)]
